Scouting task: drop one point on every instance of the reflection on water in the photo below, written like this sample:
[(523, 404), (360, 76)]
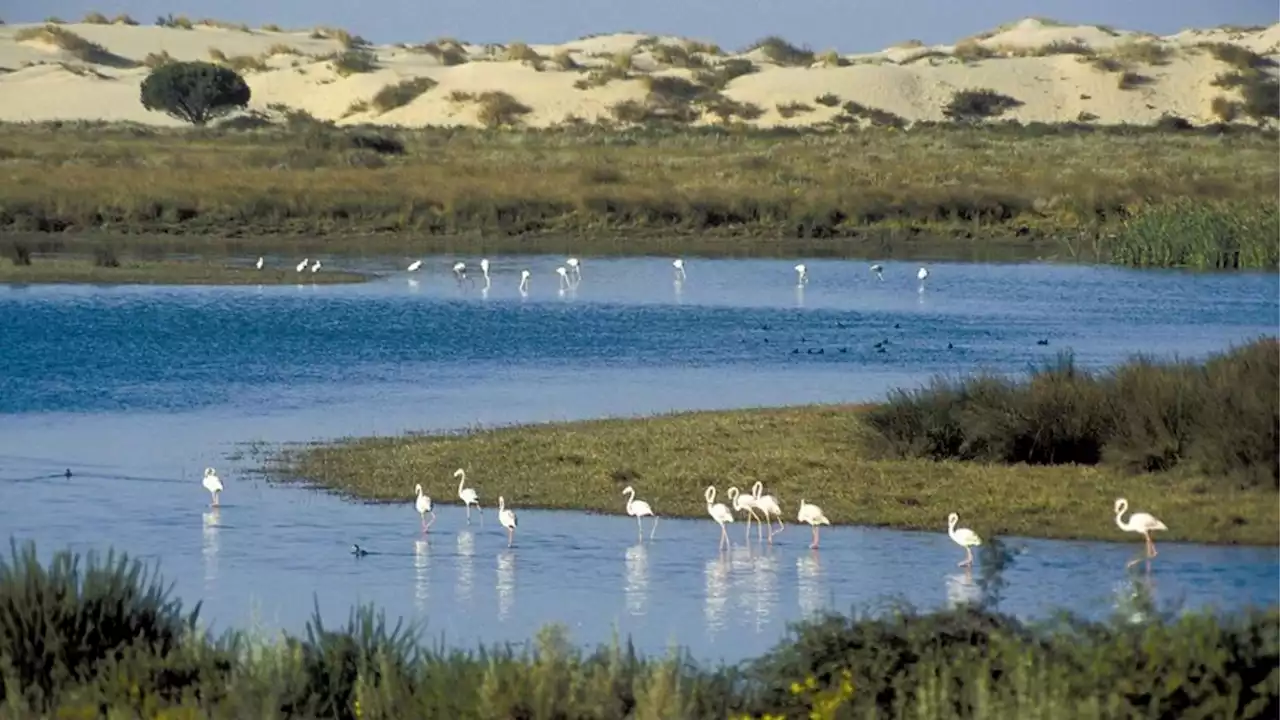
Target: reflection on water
[(740, 577), (506, 583), (799, 296), (421, 562), (765, 591), (1135, 597), (209, 549), (717, 579), (809, 583), (962, 590), (636, 586), (466, 555)]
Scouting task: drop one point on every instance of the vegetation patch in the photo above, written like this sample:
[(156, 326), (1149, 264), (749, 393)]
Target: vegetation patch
[(354, 61), (978, 104), (74, 45), (781, 52), (105, 267), (446, 52), (401, 93)]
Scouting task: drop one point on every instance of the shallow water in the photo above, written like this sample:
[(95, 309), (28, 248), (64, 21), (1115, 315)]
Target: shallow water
[(136, 389)]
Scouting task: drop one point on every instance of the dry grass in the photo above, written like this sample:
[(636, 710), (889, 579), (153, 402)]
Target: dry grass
[(73, 44), (775, 185), (161, 272), (816, 453)]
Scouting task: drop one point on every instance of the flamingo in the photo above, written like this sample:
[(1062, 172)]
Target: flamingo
[(678, 264), (212, 484), (467, 495), (302, 265), (507, 517), (259, 265), (484, 269), (639, 509), (1139, 522), (564, 278), (812, 514), (524, 282), (802, 275), (460, 270), (316, 266), (424, 505), (964, 537), (922, 273), (768, 505), (744, 502), (719, 513), (574, 266), (878, 269), (414, 266)]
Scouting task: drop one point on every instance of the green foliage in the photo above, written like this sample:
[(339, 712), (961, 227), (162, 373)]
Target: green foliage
[(195, 92), (402, 93), (1231, 236), (970, 105), (1221, 417)]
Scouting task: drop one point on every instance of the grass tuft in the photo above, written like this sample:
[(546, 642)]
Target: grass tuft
[(73, 44)]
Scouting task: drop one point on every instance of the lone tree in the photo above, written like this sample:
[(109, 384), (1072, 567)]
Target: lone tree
[(196, 92)]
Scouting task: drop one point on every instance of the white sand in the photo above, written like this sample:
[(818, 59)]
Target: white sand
[(41, 82)]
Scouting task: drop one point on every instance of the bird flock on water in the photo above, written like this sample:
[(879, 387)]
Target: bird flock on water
[(770, 509)]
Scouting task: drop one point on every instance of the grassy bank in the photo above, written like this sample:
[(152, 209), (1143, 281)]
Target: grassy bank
[(160, 272), (1070, 193), (106, 639), (862, 465)]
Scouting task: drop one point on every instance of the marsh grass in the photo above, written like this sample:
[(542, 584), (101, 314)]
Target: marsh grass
[(107, 639), (824, 454), (1218, 420), (958, 182), (106, 268), (1200, 236)]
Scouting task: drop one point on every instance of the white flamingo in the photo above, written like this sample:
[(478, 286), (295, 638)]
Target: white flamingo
[(744, 502), (719, 513), (922, 273), (638, 509), (1142, 523), (460, 270), (964, 537), (302, 265), (678, 264), (484, 269), (524, 282), (315, 267), (468, 495), (424, 505), (802, 275), (564, 278), (259, 265), (878, 269), (575, 267), (212, 484), (768, 505), (414, 266), (507, 517), (812, 514)]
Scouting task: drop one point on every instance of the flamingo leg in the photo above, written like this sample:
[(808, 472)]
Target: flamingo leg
[(468, 513), (653, 529), (759, 527), (968, 557), (1151, 546), (639, 528), (814, 546), (215, 499), (724, 536), (746, 537), (433, 521), (511, 536)]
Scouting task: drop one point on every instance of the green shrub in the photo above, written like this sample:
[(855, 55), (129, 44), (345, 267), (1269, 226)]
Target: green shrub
[(195, 92), (402, 93), (351, 62), (782, 52), (978, 104)]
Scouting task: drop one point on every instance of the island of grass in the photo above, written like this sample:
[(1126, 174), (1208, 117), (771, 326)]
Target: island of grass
[(148, 657), (126, 271), (1045, 456), (1135, 196)]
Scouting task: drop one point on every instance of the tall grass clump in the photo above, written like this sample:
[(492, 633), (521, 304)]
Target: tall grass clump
[(1220, 418), (401, 93), (1234, 236), (105, 641)]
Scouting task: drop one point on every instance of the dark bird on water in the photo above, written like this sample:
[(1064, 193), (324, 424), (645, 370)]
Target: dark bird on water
[(358, 551)]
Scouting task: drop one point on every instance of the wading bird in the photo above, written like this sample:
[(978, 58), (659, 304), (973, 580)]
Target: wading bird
[(524, 282), (744, 502), (575, 267), (315, 267), (1142, 523), (719, 513), (564, 278), (768, 505), (678, 264), (424, 505), (878, 269), (259, 265), (507, 517), (638, 509), (460, 271), (484, 270), (468, 495), (812, 514), (964, 537), (302, 265), (413, 266), (802, 275), (922, 273), (212, 484)]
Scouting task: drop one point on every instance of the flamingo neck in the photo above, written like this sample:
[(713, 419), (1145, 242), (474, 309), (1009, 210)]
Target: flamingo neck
[(462, 481)]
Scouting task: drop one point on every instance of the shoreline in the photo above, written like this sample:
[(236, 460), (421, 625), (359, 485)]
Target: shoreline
[(577, 466), (68, 271)]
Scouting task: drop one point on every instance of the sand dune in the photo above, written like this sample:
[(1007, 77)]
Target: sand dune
[(1057, 73)]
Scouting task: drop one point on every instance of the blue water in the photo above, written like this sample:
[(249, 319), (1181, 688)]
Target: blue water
[(137, 388)]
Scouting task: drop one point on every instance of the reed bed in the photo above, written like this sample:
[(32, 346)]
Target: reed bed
[(1219, 418), (760, 189), (105, 638)]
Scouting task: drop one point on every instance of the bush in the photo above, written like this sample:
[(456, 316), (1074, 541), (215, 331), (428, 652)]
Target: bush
[(970, 105), (1221, 418), (74, 45), (781, 52), (195, 92), (354, 61), (498, 109), (402, 93)]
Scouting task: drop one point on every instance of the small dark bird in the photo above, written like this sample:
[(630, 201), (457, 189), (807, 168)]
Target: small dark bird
[(897, 326), (67, 474), (358, 551), (950, 346), (1043, 342)]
